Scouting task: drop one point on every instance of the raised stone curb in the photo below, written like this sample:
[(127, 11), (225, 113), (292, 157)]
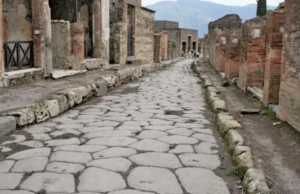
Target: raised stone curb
[(253, 180), (68, 98)]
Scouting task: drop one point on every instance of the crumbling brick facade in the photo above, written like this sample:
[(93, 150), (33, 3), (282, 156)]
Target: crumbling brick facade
[(273, 59), (232, 64), (253, 39), (289, 100)]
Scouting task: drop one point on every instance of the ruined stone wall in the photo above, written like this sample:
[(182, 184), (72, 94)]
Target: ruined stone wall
[(185, 33), (164, 43), (221, 58), (174, 42), (61, 42), (225, 23), (17, 20), (233, 57), (252, 53), (160, 25), (289, 100), (206, 44), (274, 44)]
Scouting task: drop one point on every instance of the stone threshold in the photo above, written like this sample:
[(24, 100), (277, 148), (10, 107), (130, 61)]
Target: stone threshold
[(61, 101), (59, 73)]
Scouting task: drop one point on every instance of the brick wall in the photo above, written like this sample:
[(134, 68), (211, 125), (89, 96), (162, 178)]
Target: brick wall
[(252, 53), (232, 65), (289, 100), (274, 44)]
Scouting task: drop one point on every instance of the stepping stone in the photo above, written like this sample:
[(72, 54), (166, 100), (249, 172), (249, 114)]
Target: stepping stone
[(100, 180), (181, 131), (115, 152), (103, 124), (30, 153), (83, 148), (159, 180), (130, 128), (112, 141), (72, 157), (176, 139), (200, 181), (149, 134), (50, 182), (32, 144), (135, 123), (95, 129), (128, 192), (14, 192), (6, 165), (150, 145), (159, 128), (35, 164), (182, 149), (157, 160), (10, 180), (112, 164), (62, 142), (61, 167), (117, 133), (17, 139), (207, 148), (201, 160), (205, 138)]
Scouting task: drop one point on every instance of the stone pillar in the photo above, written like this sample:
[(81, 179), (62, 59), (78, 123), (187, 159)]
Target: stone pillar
[(48, 69), (2, 69), (77, 33), (222, 53), (274, 44), (157, 48), (289, 98), (232, 65), (97, 29)]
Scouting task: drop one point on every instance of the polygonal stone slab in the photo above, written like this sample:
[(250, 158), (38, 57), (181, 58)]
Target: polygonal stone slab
[(205, 131), (32, 144), (176, 139), (62, 142), (50, 182), (135, 123), (200, 181), (103, 124), (83, 148), (206, 148), (95, 129), (159, 128), (35, 164), (6, 165), (112, 164), (181, 131), (130, 128), (117, 133), (14, 192), (112, 141), (69, 126), (158, 180), (115, 152), (181, 149), (30, 153), (149, 134), (61, 167), (10, 180), (128, 192), (188, 125), (157, 160), (201, 160), (72, 157), (150, 145), (100, 180), (205, 138)]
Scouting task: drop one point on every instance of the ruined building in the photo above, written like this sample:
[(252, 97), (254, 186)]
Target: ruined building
[(206, 48), (132, 32)]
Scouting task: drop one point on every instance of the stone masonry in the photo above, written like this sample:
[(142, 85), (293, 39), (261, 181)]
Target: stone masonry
[(289, 100), (77, 34), (164, 43), (232, 64), (157, 48)]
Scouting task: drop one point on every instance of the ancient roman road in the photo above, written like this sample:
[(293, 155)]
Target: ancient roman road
[(146, 137)]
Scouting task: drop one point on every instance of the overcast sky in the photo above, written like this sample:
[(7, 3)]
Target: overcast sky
[(225, 2)]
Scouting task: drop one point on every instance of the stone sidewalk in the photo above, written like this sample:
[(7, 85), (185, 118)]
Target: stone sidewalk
[(143, 138)]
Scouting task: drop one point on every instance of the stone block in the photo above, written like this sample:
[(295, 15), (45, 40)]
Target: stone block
[(254, 182), (102, 85), (84, 91), (228, 124), (124, 73), (242, 157), (219, 106), (73, 96), (233, 139), (62, 102), (41, 112), (7, 124), (24, 116), (53, 107), (92, 64)]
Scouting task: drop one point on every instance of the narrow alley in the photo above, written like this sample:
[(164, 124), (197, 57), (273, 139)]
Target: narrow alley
[(150, 136)]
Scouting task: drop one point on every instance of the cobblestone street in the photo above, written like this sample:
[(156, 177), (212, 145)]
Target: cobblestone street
[(150, 136)]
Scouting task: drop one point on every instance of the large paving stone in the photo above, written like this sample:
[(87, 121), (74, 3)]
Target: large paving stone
[(159, 128), (130, 128), (158, 180), (117, 133), (56, 134), (17, 139), (188, 125), (201, 181), (100, 180), (176, 139), (150, 145), (200, 160), (157, 160), (112, 141), (35, 164), (135, 123), (83, 148), (6, 165), (7, 124), (205, 138), (61, 167), (181, 131), (149, 134), (14, 192), (115, 152), (30, 153), (50, 182), (72, 157), (95, 129), (128, 192), (112, 164), (207, 148), (32, 144), (103, 124), (62, 142), (10, 180), (182, 149), (69, 126)]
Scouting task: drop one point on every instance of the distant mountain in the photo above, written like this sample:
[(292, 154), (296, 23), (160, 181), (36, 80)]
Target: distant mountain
[(196, 14)]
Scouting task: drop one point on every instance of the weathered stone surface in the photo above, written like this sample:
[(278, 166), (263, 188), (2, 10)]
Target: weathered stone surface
[(199, 181), (10, 180), (69, 126), (23, 116), (205, 138), (159, 128), (207, 148), (242, 157), (112, 164), (157, 160), (37, 152), (219, 106), (32, 144), (83, 148), (60, 183), (103, 124), (128, 192), (233, 139), (255, 183), (63, 132), (53, 107), (61, 167), (158, 180), (35, 164), (115, 152), (181, 149), (151, 134), (112, 141), (176, 139), (150, 145), (188, 125), (99, 180), (130, 128), (95, 129), (135, 123), (41, 137), (62, 142), (17, 139), (14, 192), (7, 124), (72, 157), (116, 133), (201, 160), (6, 165), (102, 85), (62, 102), (181, 131)]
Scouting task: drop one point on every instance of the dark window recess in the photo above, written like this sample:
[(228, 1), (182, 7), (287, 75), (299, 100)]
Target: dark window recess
[(130, 41)]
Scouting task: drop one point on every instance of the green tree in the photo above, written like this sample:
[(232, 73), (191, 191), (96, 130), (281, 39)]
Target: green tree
[(261, 7)]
